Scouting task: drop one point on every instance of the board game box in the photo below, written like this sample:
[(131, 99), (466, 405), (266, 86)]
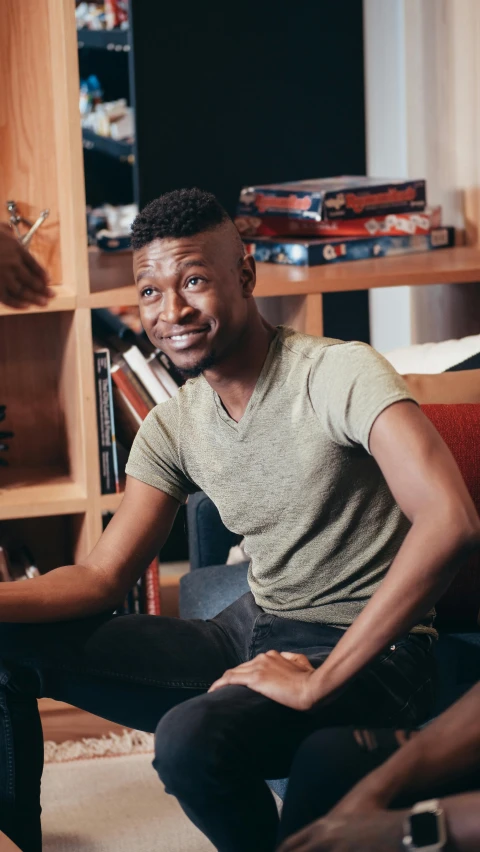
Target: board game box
[(391, 225), (318, 252), (343, 197)]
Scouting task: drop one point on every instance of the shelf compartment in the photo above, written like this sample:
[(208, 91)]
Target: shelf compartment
[(52, 541), (41, 385), (109, 270), (36, 492), (113, 40), (122, 151)]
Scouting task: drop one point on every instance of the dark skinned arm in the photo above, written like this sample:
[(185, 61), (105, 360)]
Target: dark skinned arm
[(428, 487), (382, 831), (446, 750), (133, 537)]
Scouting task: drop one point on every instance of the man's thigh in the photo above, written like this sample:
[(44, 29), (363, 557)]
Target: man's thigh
[(130, 669), (239, 728)]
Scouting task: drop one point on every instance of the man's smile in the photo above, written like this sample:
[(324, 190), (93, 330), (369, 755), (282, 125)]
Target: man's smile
[(185, 338)]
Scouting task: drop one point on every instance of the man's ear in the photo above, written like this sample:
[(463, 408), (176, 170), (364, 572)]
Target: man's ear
[(248, 276)]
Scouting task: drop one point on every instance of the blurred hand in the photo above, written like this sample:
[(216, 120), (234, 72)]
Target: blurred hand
[(381, 831), (23, 282)]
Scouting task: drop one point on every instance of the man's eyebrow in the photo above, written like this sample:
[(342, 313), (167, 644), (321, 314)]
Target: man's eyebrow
[(186, 263)]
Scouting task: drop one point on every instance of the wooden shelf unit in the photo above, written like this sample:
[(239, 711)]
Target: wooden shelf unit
[(51, 491)]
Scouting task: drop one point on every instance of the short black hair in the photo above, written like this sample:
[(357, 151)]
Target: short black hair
[(181, 213)]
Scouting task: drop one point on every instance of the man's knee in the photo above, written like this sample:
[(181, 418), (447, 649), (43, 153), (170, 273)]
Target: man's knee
[(191, 745)]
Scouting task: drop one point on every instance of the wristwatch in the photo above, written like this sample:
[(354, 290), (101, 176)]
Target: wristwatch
[(425, 828)]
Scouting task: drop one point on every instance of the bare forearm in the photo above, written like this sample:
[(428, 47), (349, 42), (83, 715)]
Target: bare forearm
[(72, 591), (463, 823), (447, 749), (420, 573)]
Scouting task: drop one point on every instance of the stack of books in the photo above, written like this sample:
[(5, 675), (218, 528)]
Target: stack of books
[(331, 220), (131, 378)]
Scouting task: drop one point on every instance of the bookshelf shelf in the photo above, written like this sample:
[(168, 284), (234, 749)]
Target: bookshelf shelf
[(119, 150), (36, 492), (64, 300), (113, 40), (445, 266), (110, 502)]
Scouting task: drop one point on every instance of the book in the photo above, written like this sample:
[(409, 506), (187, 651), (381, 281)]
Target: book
[(106, 423), (344, 197), (123, 381), (138, 363), (127, 420), (318, 252), (390, 225), (163, 375)]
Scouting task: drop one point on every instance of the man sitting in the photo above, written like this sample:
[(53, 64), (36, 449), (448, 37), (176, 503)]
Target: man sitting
[(355, 518)]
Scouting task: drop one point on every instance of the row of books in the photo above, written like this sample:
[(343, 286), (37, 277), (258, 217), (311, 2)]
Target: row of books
[(144, 598), (331, 220), (131, 377), (18, 563)]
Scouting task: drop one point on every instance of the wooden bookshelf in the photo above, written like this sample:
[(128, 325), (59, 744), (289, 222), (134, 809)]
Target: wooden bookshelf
[(51, 492)]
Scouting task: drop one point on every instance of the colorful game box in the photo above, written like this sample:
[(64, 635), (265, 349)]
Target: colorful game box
[(391, 225), (318, 252), (343, 197)]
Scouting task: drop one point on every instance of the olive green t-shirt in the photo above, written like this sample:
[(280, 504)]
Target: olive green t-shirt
[(294, 476)]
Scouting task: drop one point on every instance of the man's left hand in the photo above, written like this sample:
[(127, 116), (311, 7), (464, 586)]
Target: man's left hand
[(381, 831), (284, 677)]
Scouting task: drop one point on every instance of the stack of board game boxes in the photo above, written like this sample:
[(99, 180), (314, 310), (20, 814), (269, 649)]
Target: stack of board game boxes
[(330, 220)]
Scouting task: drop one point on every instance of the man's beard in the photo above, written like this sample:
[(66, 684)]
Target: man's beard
[(205, 364)]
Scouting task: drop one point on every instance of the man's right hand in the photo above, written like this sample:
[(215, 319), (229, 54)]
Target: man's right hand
[(23, 282)]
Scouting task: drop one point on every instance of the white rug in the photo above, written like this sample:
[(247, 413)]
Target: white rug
[(111, 804)]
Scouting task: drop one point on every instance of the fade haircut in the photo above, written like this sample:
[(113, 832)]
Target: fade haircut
[(181, 213)]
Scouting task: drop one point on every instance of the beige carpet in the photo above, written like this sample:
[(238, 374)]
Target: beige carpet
[(113, 804)]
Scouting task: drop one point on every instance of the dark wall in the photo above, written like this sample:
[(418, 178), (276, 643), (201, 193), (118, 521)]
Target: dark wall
[(276, 94), (222, 109)]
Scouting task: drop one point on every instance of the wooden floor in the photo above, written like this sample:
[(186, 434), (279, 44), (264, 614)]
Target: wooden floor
[(61, 721)]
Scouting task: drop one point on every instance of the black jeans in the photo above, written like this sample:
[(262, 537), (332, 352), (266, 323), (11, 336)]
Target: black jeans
[(331, 761), (213, 750)]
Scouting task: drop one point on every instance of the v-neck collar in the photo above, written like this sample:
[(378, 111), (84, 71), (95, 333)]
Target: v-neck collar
[(241, 426)]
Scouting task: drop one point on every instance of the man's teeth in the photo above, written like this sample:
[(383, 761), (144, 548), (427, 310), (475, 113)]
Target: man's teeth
[(183, 336)]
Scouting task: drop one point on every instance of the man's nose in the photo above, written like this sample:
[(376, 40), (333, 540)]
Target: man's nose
[(174, 307)]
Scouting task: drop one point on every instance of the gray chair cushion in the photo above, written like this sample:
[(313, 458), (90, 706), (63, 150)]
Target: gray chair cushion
[(204, 593)]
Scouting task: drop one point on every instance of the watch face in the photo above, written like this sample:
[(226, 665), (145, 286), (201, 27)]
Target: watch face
[(424, 829)]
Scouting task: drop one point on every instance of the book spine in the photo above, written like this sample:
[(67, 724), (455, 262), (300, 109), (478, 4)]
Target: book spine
[(106, 431), (152, 589), (162, 375), (129, 391), (137, 384), (140, 367), (170, 368)]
